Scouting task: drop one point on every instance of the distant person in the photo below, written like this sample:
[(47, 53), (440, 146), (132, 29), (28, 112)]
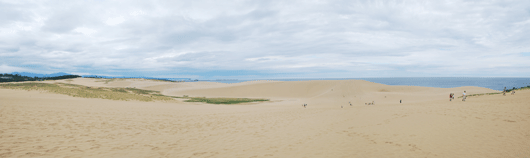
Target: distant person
[(504, 91), (450, 96), (513, 92), (400, 101), (464, 96)]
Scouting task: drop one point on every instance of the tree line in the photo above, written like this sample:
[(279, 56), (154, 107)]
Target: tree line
[(18, 78)]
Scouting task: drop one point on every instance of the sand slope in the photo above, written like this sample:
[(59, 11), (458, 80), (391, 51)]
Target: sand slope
[(426, 124), (333, 93)]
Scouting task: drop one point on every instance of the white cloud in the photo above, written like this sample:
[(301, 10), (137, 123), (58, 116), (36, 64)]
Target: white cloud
[(8, 69), (137, 13), (267, 58), (84, 30), (115, 20), (392, 37)]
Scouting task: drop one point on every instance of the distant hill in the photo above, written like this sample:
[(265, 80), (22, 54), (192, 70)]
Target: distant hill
[(28, 74)]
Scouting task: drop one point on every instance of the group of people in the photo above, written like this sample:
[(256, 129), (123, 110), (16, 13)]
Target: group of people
[(348, 102), (464, 96), (372, 103), (452, 96), (504, 91)]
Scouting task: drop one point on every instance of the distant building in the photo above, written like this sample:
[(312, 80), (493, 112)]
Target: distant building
[(6, 77)]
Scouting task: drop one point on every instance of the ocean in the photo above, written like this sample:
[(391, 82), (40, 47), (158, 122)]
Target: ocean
[(495, 83)]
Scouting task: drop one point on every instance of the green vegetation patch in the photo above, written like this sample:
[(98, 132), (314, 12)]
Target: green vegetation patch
[(110, 80), (224, 100), (122, 90), (90, 92), (507, 91), (141, 91), (117, 93), (18, 78), (472, 95), (522, 88)]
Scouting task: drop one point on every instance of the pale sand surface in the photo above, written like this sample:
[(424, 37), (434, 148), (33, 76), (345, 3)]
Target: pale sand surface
[(426, 124)]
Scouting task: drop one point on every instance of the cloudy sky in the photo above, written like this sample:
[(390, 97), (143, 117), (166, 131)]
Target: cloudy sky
[(267, 39)]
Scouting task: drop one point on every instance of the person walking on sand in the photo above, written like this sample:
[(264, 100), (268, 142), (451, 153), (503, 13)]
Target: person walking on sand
[(504, 91), (450, 96), (464, 96)]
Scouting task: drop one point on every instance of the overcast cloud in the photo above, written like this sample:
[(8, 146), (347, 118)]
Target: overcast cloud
[(267, 39)]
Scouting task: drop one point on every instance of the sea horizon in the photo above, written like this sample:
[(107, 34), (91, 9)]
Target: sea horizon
[(495, 83)]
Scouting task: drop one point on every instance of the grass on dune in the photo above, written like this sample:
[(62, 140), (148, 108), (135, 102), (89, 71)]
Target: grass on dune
[(224, 100), (522, 88), (481, 94), (110, 80), (117, 93), (141, 91), (219, 100), (91, 92), (507, 91)]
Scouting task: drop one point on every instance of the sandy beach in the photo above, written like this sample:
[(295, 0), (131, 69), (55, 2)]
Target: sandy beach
[(425, 124)]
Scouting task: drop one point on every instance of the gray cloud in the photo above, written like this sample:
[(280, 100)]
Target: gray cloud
[(331, 38)]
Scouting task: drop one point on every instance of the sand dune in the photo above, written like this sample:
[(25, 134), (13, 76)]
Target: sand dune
[(336, 92), (426, 124)]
